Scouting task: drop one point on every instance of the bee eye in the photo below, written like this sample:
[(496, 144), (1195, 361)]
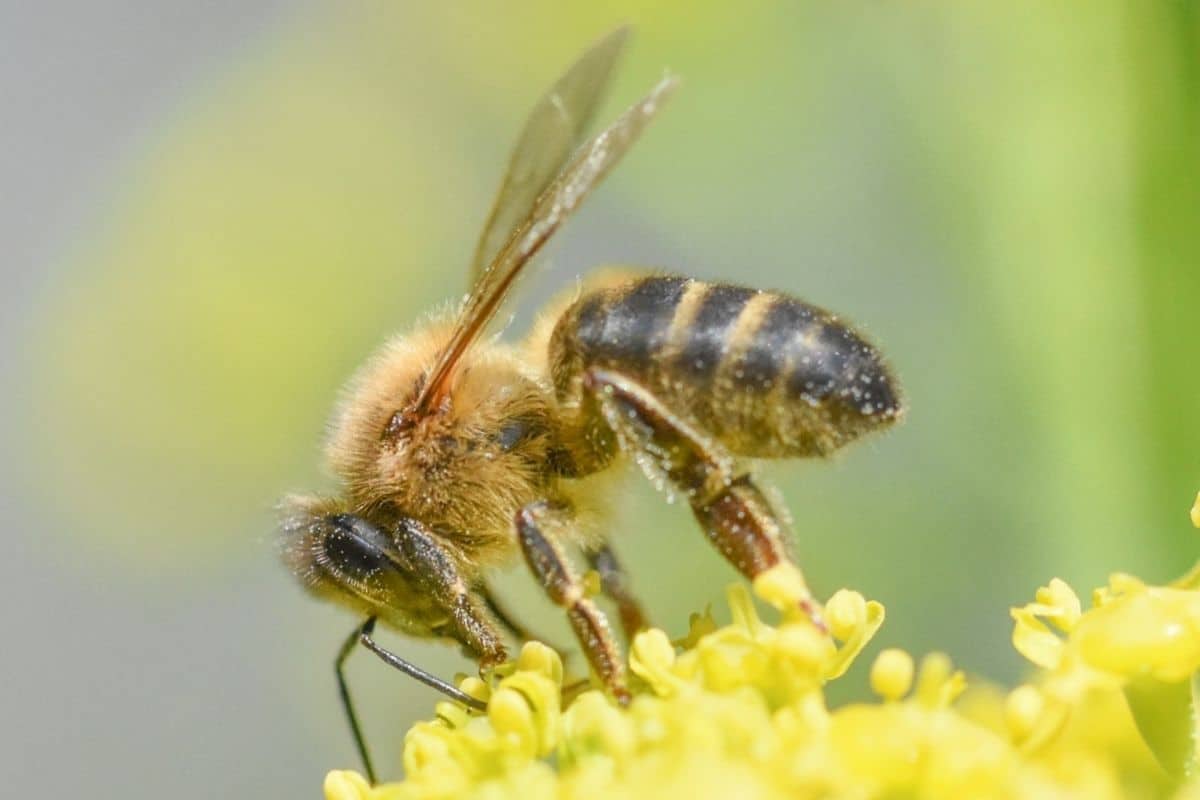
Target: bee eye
[(511, 434), (357, 549)]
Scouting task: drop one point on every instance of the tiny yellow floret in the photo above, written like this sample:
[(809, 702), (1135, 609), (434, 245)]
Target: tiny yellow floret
[(1022, 710), (783, 586), (892, 674), (846, 612), (343, 784)]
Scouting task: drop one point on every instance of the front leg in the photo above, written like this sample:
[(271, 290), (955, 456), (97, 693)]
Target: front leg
[(733, 512), (435, 573), (395, 568), (565, 589), (379, 569)]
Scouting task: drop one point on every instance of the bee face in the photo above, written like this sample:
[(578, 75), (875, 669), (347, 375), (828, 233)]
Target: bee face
[(344, 557)]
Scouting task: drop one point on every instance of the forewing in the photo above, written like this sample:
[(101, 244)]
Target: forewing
[(554, 129), (586, 168)]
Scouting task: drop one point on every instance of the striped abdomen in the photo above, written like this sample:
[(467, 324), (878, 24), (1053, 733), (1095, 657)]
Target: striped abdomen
[(765, 374)]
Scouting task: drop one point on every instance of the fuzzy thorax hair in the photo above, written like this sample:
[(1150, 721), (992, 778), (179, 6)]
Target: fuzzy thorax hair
[(464, 470)]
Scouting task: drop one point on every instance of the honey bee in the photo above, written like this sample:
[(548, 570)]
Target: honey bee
[(457, 452)]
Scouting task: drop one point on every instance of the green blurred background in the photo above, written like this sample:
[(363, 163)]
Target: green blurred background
[(214, 212)]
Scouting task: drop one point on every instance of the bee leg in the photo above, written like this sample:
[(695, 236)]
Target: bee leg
[(348, 705), (615, 583), (437, 575), (565, 590), (434, 572), (733, 512)]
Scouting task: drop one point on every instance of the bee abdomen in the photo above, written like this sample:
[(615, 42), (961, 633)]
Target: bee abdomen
[(766, 374)]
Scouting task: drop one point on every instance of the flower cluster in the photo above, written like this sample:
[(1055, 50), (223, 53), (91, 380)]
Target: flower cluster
[(740, 711)]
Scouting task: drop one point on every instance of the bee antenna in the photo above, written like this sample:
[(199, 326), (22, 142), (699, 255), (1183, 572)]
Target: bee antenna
[(363, 633), (347, 704), (415, 672)]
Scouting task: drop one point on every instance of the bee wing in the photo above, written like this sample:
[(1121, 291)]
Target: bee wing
[(554, 129), (586, 168)]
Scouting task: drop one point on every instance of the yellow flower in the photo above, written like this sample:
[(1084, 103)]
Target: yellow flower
[(1142, 641), (740, 711)]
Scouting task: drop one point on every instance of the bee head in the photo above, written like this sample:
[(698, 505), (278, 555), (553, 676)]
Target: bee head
[(346, 558)]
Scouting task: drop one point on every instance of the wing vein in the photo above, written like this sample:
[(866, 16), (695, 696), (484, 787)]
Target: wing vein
[(583, 171)]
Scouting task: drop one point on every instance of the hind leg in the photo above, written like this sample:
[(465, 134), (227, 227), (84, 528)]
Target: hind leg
[(733, 512)]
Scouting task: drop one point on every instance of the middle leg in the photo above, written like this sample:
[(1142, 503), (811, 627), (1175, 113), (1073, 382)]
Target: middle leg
[(564, 587), (615, 584)]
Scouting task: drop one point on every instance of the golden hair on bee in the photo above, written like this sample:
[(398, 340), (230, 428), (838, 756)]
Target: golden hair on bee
[(457, 453), (466, 470)]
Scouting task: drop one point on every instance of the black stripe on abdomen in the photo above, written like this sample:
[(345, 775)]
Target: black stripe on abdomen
[(632, 325), (837, 368), (772, 343), (706, 339)]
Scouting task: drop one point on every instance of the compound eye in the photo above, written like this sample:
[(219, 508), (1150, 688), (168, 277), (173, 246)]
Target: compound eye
[(358, 551)]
